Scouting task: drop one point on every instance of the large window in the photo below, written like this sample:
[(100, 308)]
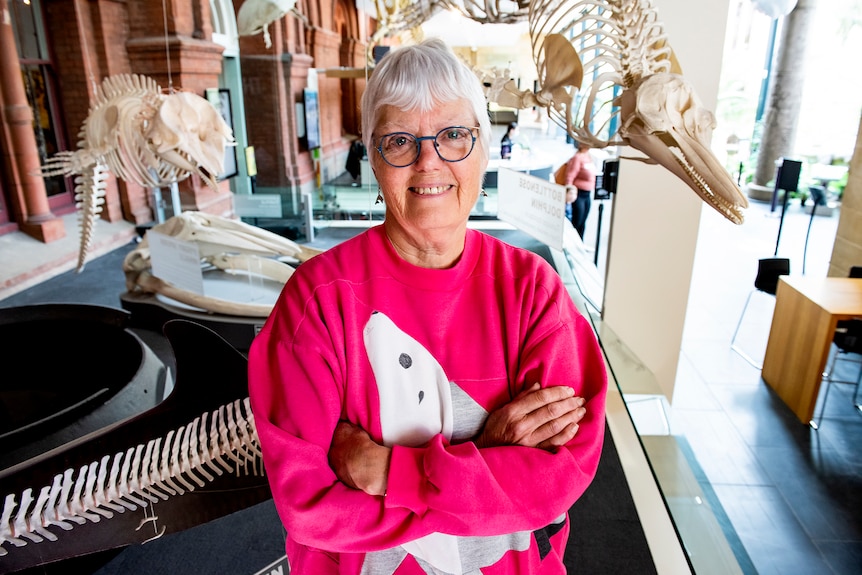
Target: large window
[(37, 72)]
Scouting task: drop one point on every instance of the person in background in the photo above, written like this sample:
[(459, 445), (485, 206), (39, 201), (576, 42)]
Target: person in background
[(508, 140), (580, 177), (428, 398)]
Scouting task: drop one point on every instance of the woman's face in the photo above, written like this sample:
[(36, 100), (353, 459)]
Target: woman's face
[(430, 194)]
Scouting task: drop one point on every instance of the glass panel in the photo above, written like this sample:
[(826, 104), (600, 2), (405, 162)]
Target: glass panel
[(25, 19), (36, 86)]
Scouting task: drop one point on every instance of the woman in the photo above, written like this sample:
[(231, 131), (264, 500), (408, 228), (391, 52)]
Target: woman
[(580, 176), (508, 140), (427, 397)]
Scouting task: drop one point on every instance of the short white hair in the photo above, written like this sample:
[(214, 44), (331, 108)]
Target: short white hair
[(418, 77)]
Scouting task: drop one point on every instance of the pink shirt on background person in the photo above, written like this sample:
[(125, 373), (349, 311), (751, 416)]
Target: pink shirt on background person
[(581, 171)]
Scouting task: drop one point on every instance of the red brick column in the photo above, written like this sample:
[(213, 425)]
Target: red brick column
[(29, 197)]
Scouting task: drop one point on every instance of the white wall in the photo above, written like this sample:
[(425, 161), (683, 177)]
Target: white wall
[(656, 217)]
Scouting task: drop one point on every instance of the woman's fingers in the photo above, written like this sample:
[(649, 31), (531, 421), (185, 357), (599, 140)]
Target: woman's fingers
[(538, 417)]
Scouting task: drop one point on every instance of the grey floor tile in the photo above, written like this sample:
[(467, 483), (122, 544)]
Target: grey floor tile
[(844, 557), (720, 451), (772, 535)]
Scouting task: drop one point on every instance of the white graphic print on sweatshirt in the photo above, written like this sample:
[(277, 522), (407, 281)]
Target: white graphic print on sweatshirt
[(417, 401)]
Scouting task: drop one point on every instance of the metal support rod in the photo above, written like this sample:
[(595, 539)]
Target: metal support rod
[(781, 219), (598, 233), (308, 213)]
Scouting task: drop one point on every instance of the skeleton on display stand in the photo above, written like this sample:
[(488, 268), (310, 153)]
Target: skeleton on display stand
[(144, 136), (194, 456)]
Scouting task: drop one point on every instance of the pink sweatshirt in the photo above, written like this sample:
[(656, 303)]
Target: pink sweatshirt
[(418, 358)]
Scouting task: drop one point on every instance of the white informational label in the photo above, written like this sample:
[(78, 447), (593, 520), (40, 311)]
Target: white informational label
[(257, 205), (278, 567), (175, 261), (533, 205)]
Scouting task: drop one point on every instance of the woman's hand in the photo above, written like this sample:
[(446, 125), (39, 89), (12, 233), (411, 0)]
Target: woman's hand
[(544, 418), (357, 460)]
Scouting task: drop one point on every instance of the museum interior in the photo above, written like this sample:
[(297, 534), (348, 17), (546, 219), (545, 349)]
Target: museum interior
[(167, 166)]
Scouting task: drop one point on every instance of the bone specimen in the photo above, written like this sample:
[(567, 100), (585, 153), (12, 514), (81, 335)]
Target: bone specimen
[(395, 17), (229, 245), (632, 93), (142, 136), (126, 481), (255, 16), (608, 76)]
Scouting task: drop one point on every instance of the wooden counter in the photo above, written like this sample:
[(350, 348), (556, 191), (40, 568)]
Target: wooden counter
[(807, 310)]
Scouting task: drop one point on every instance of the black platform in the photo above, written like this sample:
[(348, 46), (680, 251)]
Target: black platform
[(606, 535)]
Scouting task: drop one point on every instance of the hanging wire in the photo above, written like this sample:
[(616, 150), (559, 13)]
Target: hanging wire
[(83, 34), (167, 48)]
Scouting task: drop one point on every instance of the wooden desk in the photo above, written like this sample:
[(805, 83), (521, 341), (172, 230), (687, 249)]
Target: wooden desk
[(807, 310)]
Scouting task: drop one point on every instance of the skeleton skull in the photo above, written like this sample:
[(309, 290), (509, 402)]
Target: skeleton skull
[(664, 119), (189, 132)]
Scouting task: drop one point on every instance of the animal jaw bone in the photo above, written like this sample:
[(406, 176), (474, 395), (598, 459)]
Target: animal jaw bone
[(185, 459), (142, 136), (664, 119), (230, 245), (633, 93)]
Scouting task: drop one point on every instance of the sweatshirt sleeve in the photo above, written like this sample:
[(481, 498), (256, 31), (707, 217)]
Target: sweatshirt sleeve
[(297, 404), (506, 489)]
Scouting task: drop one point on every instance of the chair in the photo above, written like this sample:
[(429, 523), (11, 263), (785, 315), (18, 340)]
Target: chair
[(766, 281), (848, 341)]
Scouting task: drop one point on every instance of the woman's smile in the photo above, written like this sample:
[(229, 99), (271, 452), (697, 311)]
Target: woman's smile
[(430, 191)]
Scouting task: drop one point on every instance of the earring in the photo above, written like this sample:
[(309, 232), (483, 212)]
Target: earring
[(379, 197), (484, 193)]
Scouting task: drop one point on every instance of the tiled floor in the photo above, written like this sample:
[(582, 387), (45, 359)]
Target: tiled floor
[(789, 496), (792, 494)]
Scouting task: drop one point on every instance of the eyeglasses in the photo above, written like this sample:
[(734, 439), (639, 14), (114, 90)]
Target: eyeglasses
[(453, 144)]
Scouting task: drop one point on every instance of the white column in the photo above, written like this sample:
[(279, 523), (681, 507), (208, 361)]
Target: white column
[(656, 217)]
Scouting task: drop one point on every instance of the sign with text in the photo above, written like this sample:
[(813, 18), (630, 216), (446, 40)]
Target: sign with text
[(257, 205), (533, 205), (175, 261), (278, 567)]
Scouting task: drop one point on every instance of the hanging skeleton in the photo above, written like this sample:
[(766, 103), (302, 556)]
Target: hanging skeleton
[(255, 16), (144, 136), (608, 77), (404, 17)]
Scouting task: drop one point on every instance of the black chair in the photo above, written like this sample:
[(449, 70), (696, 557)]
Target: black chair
[(848, 341), (855, 273), (768, 272)]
